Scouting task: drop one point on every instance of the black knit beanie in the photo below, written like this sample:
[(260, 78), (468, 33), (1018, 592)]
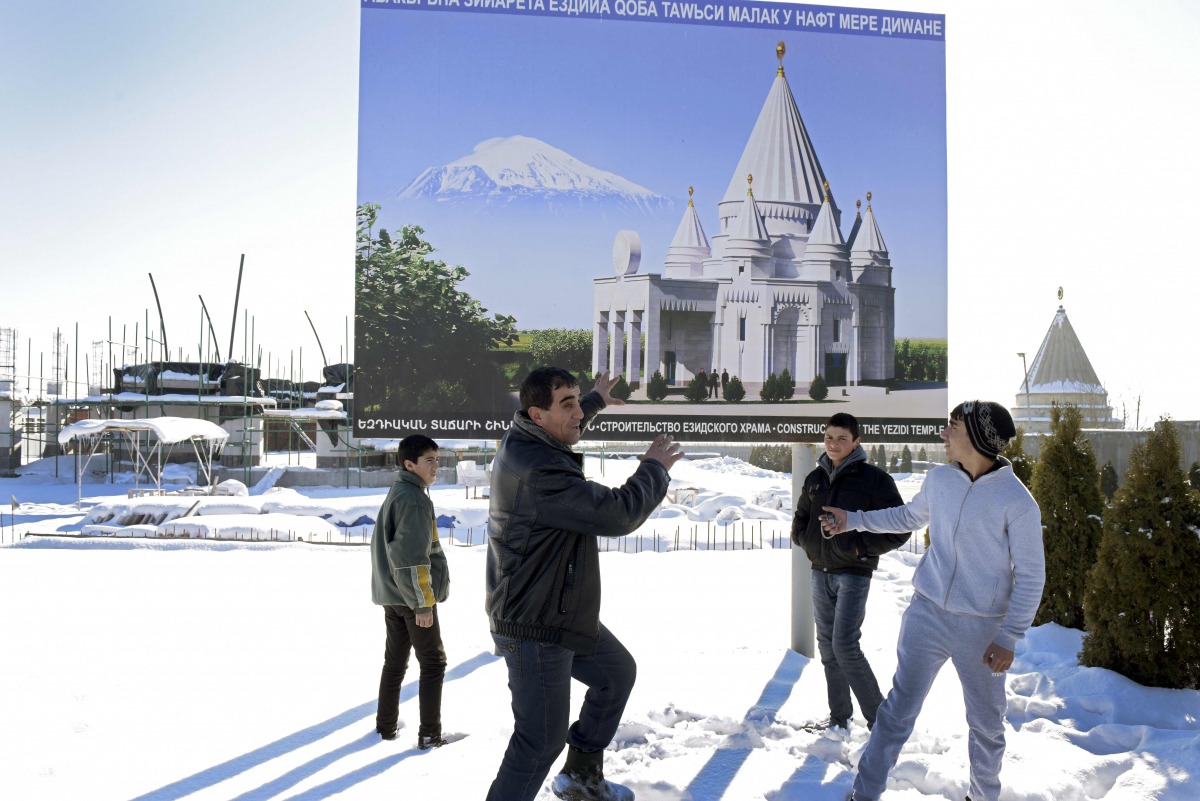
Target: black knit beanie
[(989, 426)]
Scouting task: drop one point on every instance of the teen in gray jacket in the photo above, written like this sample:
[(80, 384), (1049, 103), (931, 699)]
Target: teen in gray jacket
[(976, 591)]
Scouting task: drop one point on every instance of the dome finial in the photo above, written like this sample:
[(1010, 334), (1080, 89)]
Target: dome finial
[(858, 209), (1060, 293), (690, 191), (868, 201), (750, 185), (780, 50), (826, 191)]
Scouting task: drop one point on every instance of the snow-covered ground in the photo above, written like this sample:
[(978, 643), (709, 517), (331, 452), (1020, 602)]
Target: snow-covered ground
[(155, 668)]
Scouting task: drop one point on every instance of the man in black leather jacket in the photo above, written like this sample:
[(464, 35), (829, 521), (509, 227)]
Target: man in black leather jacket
[(842, 565), (543, 587)]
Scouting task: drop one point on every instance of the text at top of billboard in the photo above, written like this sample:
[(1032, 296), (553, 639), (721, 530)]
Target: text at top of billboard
[(738, 208)]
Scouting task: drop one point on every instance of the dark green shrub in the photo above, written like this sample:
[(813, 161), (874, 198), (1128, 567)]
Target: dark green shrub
[(735, 392), (787, 385), (1109, 481), (656, 389), (1144, 592), (770, 389), (1022, 463), (697, 390), (818, 390), (1066, 485)]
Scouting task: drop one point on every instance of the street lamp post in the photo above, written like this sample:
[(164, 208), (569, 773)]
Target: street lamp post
[(1028, 409)]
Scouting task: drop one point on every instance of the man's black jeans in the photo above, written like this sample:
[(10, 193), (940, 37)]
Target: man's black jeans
[(403, 635), (539, 676)]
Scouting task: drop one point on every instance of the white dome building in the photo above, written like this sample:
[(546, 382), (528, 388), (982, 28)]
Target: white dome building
[(778, 288)]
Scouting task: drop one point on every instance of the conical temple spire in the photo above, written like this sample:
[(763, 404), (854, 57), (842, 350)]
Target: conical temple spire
[(690, 247), (1061, 365), (779, 153), (867, 247)]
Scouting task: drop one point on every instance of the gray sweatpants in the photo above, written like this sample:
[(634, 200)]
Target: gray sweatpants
[(929, 636)]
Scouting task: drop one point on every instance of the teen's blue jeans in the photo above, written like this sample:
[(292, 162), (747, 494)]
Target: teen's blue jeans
[(539, 676), (840, 605)]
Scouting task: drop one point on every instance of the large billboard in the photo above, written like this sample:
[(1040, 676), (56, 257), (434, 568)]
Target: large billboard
[(738, 208)]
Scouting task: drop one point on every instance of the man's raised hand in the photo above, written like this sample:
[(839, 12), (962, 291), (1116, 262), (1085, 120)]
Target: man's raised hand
[(664, 450), (603, 384)]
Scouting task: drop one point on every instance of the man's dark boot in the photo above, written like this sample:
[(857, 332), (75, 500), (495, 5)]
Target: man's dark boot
[(582, 779)]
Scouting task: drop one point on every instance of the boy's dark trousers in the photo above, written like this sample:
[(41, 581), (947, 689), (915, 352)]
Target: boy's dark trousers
[(403, 635)]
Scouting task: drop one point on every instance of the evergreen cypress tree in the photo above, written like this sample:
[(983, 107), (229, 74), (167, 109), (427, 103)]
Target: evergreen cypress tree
[(882, 464), (736, 391), (1143, 597), (906, 460), (1022, 462), (818, 390), (697, 390), (656, 389), (923, 454), (1066, 486), (787, 385), (770, 389), (1108, 480)]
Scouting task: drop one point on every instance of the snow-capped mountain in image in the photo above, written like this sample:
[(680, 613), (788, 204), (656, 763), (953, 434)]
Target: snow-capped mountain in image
[(520, 168)]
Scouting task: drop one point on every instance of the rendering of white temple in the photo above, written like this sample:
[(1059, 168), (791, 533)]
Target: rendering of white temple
[(1061, 373), (778, 288)]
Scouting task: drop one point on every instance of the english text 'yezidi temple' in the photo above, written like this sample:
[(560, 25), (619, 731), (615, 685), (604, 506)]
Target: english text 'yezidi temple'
[(778, 288)]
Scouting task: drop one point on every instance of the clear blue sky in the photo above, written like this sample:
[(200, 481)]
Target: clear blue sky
[(169, 138)]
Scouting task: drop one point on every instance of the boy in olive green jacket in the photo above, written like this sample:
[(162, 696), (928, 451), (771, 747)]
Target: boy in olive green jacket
[(409, 577)]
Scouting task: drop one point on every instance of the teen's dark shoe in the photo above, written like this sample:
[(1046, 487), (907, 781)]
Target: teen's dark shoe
[(387, 733), (582, 779), (826, 724), (431, 741)]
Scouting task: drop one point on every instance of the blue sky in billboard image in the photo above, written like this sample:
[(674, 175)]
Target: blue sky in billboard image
[(663, 106)]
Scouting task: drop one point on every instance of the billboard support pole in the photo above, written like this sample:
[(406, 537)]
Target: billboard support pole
[(804, 635)]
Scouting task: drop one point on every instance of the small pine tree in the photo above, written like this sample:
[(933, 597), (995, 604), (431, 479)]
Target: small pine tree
[(770, 389), (787, 385), (656, 389), (882, 464), (894, 464), (906, 460), (1144, 591), (923, 454), (818, 390), (697, 390), (620, 390), (736, 391), (1066, 485), (1109, 480), (1022, 463)]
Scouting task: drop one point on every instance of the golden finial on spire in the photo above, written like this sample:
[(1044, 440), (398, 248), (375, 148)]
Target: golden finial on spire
[(1060, 293), (858, 209), (868, 201), (827, 191), (780, 50), (690, 191), (750, 185)]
